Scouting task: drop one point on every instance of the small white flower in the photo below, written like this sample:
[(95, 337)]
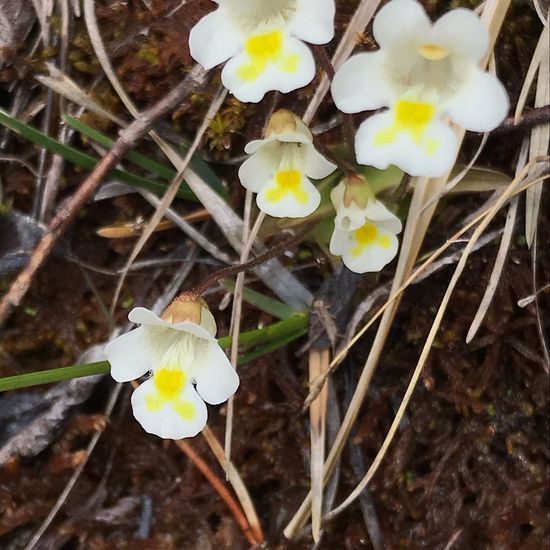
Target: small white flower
[(365, 230), (263, 41), (187, 364), (280, 166), (422, 72)]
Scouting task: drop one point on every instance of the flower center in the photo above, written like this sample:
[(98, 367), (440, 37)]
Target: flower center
[(413, 118), (367, 235), (169, 382), (265, 47), (433, 52), (287, 182), (262, 50)]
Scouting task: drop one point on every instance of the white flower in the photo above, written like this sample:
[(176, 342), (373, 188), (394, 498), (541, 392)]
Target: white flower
[(263, 41), (365, 233), (187, 364), (280, 166), (422, 72)]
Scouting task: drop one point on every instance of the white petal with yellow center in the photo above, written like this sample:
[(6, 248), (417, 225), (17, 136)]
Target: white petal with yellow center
[(289, 195), (352, 217), (408, 136), (167, 405), (280, 167), (366, 249), (179, 355), (270, 61), (424, 64)]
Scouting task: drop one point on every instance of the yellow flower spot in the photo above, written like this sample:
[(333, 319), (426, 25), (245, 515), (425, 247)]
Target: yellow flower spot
[(185, 409), (291, 63), (263, 50), (433, 52), (287, 182), (368, 235), (169, 382), (385, 242), (411, 117)]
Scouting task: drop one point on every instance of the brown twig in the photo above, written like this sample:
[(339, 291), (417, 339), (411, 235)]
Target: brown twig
[(218, 486), (221, 489), (67, 211), (532, 118), (247, 266)]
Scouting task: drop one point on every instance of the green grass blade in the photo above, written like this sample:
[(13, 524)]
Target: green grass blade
[(261, 301), (146, 163), (79, 158), (53, 375)]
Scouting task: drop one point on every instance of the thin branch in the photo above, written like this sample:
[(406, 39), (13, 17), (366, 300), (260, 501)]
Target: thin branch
[(68, 211)]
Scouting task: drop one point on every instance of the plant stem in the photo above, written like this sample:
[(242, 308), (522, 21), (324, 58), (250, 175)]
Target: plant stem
[(247, 266), (271, 337)]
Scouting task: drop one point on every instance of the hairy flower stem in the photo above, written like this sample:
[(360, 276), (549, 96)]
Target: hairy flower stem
[(247, 266)]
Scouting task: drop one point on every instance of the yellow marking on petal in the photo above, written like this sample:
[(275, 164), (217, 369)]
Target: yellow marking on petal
[(287, 182), (433, 52), (262, 50), (290, 64), (385, 241), (169, 383), (431, 147), (365, 236), (154, 403), (185, 409), (411, 117), (368, 235)]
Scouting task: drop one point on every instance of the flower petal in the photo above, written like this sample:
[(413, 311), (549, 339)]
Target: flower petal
[(348, 218), (482, 103), (314, 21), (214, 39), (128, 356), (316, 165), (339, 242), (208, 322), (432, 157), (281, 204), (295, 69), (146, 317), (399, 21), (373, 257), (256, 171), (216, 379), (185, 417), (462, 32), (377, 211), (361, 83)]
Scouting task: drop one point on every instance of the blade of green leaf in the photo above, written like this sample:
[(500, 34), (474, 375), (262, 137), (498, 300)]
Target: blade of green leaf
[(146, 163), (261, 301), (76, 156), (53, 375)]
